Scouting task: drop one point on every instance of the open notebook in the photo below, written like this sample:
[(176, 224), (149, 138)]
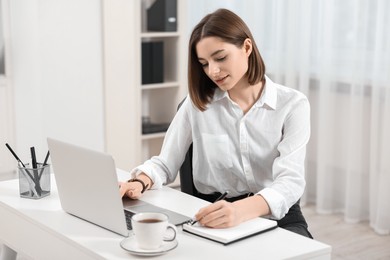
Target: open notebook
[(229, 235)]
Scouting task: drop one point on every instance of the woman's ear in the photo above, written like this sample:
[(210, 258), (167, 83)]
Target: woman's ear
[(247, 46)]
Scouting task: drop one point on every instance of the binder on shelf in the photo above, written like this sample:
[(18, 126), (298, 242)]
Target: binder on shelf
[(152, 62), (151, 128), (162, 16)]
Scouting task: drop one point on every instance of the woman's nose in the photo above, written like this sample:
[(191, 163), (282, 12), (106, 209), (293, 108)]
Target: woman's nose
[(214, 70)]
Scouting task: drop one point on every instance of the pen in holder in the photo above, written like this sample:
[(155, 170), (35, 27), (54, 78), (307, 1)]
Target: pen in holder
[(34, 183)]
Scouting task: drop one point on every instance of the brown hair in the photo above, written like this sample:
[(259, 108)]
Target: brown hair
[(229, 27)]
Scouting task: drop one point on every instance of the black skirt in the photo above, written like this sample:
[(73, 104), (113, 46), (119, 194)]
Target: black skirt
[(294, 221)]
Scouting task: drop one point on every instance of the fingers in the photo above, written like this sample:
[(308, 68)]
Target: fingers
[(217, 215), (133, 194), (122, 190), (211, 209), (130, 189)]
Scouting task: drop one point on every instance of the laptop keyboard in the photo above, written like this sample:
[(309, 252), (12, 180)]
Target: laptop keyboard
[(128, 216)]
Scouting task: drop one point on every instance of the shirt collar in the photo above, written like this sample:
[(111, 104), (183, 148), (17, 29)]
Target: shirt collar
[(219, 94), (268, 97)]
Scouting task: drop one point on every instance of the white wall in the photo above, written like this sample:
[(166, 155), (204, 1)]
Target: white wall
[(7, 163), (56, 52)]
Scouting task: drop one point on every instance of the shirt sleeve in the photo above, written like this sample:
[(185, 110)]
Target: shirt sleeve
[(163, 169), (288, 169)]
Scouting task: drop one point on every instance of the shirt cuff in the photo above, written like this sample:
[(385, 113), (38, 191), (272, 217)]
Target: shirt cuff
[(148, 170), (276, 202)]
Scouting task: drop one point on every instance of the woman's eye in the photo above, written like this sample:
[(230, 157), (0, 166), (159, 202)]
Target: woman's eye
[(204, 65), (221, 59)]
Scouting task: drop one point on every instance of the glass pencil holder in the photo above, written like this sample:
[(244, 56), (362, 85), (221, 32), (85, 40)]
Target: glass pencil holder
[(34, 183)]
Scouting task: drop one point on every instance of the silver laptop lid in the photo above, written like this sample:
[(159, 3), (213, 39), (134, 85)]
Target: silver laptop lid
[(87, 185)]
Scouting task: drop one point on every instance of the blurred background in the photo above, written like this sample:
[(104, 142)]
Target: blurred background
[(52, 83)]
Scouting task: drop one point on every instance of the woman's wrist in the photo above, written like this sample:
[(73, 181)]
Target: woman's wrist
[(144, 186), (143, 180), (251, 207)]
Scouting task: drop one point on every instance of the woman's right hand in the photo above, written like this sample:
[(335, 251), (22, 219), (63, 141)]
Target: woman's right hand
[(130, 189), (133, 189)]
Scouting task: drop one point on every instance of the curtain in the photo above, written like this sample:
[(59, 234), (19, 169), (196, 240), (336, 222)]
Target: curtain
[(338, 54)]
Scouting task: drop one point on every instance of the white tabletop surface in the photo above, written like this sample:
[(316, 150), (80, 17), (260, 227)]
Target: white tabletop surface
[(42, 230)]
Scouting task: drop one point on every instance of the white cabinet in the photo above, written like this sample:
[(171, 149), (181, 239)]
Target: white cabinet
[(128, 102)]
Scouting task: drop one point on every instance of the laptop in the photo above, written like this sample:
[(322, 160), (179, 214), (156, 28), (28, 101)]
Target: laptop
[(87, 186)]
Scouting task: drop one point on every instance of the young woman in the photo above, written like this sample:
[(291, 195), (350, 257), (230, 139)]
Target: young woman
[(249, 134)]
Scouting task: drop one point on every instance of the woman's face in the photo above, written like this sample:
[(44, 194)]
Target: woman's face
[(224, 63)]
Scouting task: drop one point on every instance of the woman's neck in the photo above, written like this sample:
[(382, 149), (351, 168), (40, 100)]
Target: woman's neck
[(246, 95)]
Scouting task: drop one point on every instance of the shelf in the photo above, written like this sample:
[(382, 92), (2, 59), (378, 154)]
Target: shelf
[(159, 34), (127, 100), (172, 84), (153, 136)]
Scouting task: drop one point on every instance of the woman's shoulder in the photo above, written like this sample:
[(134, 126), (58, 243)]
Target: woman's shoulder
[(289, 92), (286, 95), (186, 105)]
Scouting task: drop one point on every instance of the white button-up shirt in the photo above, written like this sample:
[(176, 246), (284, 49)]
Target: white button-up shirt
[(262, 151)]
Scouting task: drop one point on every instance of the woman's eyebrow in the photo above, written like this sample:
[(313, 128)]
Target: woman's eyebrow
[(216, 52), (212, 54)]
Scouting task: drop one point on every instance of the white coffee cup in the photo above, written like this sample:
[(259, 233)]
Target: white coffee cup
[(150, 228)]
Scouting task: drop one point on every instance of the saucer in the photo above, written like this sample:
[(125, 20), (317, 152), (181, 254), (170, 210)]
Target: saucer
[(129, 244)]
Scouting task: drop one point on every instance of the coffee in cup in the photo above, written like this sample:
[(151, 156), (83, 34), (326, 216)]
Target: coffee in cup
[(150, 229)]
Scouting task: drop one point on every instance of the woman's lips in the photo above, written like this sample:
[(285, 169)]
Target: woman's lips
[(220, 80)]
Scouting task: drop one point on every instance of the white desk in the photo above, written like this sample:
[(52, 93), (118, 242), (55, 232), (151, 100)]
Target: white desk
[(42, 230)]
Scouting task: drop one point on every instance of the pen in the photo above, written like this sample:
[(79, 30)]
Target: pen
[(14, 154), (47, 157), (25, 171), (44, 163), (35, 166), (19, 161), (30, 180), (33, 157), (223, 196)]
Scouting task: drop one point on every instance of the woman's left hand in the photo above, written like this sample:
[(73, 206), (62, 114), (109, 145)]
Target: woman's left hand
[(221, 214)]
